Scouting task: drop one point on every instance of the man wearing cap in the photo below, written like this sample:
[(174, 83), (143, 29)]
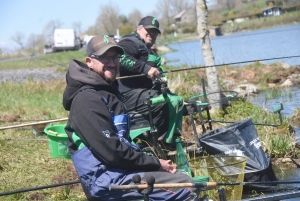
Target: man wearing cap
[(98, 131), (139, 59)]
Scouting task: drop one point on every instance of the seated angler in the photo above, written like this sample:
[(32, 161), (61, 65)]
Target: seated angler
[(98, 132), (138, 59)]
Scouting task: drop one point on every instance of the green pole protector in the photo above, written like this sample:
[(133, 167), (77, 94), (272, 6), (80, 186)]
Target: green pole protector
[(157, 60), (158, 100), (175, 104)]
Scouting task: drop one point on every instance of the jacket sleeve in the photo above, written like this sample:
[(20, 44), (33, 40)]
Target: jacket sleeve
[(135, 58), (92, 122)]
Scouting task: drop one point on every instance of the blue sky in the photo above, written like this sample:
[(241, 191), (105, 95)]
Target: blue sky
[(31, 16)]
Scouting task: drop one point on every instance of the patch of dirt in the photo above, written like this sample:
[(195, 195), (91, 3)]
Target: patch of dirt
[(70, 176), (10, 117), (37, 196)]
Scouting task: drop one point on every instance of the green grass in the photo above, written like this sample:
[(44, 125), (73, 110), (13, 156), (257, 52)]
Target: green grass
[(33, 100), (25, 161), (28, 163), (295, 118), (57, 60), (263, 22)]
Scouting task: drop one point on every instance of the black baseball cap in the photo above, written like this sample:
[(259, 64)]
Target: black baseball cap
[(150, 22), (99, 44)]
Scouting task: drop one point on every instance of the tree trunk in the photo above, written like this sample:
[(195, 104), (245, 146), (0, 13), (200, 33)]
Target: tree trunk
[(208, 56)]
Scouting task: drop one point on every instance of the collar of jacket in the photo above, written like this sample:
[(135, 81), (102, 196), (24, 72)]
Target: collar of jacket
[(138, 36)]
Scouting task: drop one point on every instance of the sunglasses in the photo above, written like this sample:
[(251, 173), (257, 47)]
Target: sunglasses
[(107, 59)]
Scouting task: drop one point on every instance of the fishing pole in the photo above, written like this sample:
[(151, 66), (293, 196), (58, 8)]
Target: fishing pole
[(197, 185), (26, 139), (275, 196), (216, 65), (38, 188), (34, 123)]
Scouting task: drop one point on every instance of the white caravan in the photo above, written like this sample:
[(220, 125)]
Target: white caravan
[(65, 39)]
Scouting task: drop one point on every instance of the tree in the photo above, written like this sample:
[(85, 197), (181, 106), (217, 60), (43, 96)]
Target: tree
[(36, 43), (169, 8), (77, 27), (93, 30), (123, 19), (18, 38), (134, 18), (108, 19), (208, 56), (49, 30)]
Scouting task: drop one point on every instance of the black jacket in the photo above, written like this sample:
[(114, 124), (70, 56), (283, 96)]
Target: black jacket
[(134, 62), (90, 119)]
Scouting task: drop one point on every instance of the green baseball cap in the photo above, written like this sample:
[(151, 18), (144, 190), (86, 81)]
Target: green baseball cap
[(150, 22)]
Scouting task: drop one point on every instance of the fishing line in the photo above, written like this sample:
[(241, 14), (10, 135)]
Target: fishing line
[(184, 54), (216, 65), (54, 62)]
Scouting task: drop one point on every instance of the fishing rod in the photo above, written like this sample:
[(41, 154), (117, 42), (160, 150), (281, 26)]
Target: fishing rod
[(34, 123), (145, 186), (26, 139), (216, 65), (38, 188), (197, 185), (275, 196)]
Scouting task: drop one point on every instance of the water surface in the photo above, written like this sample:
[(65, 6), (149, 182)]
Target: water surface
[(240, 47)]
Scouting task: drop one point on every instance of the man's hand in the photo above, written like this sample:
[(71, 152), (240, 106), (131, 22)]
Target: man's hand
[(166, 166), (153, 73)]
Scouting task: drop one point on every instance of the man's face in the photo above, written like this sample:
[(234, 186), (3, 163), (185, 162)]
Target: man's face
[(106, 65), (148, 35)]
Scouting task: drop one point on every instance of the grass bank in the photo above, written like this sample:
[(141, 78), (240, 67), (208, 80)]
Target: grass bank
[(58, 60), (25, 159), (262, 22)]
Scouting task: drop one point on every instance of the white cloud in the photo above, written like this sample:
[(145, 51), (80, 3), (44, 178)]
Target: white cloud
[(2, 43)]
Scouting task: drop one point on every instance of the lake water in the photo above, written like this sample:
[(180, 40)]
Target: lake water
[(248, 46), (290, 100), (241, 47)]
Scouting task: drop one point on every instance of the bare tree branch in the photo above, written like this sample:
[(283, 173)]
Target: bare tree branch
[(77, 27), (36, 43), (134, 18), (18, 38), (49, 29), (108, 18), (169, 8)]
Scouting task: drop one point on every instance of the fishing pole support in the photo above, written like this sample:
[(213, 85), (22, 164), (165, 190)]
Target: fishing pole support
[(153, 129), (150, 182), (222, 194), (164, 89)]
